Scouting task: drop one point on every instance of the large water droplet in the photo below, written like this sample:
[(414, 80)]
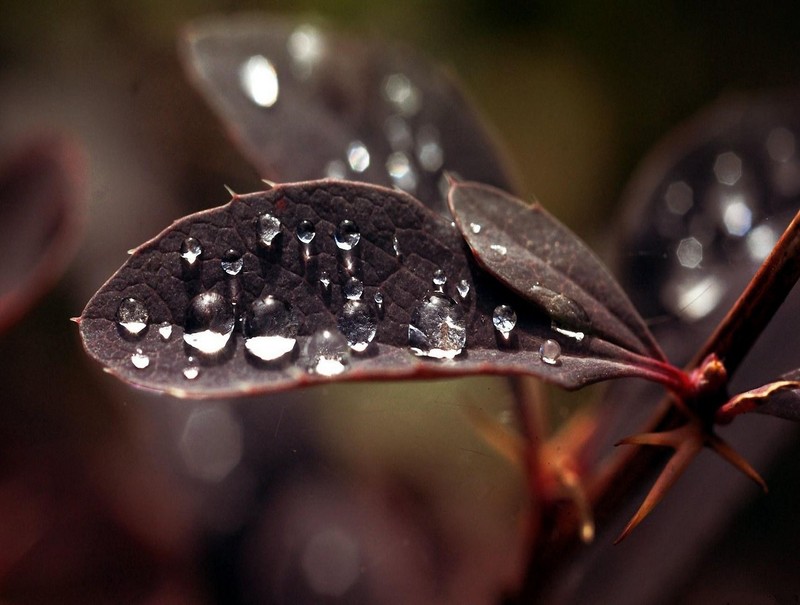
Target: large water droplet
[(165, 330), (139, 360), (549, 352), (232, 262), (191, 251), (326, 353), (270, 328), (132, 316), (437, 328), (358, 323), (358, 156), (463, 288), (305, 232), (560, 308), (259, 81), (268, 227), (209, 323), (353, 288), (347, 235), (504, 319)]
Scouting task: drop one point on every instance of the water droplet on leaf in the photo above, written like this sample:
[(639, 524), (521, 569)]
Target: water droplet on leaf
[(358, 323), (353, 288), (270, 328), (210, 319), (139, 360), (191, 251), (439, 278), (132, 316), (463, 288), (165, 330), (191, 372), (326, 353), (504, 319), (437, 328), (550, 351), (378, 299), (268, 227), (347, 235), (232, 262), (306, 232)]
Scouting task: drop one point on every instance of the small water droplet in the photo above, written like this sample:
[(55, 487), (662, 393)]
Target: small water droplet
[(550, 351), (139, 360), (268, 227), (270, 328), (232, 262), (327, 353), (191, 372), (165, 330), (498, 251), (353, 288), (259, 81), (439, 278), (437, 328), (305, 232), (504, 319), (347, 235), (132, 316), (358, 323), (191, 251), (463, 288), (396, 246), (325, 280), (210, 319), (378, 298), (358, 156), (575, 335), (475, 228)]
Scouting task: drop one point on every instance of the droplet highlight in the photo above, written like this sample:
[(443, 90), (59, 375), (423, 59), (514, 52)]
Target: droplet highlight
[(210, 319), (165, 330)]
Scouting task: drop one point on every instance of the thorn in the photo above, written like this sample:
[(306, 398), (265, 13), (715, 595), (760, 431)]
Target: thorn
[(268, 183), (687, 441), (231, 191), (76, 320), (452, 179), (737, 460), (504, 442)]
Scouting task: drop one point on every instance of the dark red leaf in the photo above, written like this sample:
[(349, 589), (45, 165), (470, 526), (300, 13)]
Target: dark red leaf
[(538, 258), (137, 324), (304, 103), (41, 211)]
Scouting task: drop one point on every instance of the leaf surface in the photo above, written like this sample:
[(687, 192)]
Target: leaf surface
[(401, 248), (538, 258), (304, 103)]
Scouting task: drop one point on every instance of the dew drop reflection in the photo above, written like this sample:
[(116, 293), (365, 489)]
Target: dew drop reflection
[(737, 215), (358, 156), (331, 562), (211, 443), (689, 252), (401, 171), (780, 144), (760, 242), (402, 94), (692, 297), (335, 169), (259, 81), (306, 47), (679, 197), (429, 149), (728, 168)]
